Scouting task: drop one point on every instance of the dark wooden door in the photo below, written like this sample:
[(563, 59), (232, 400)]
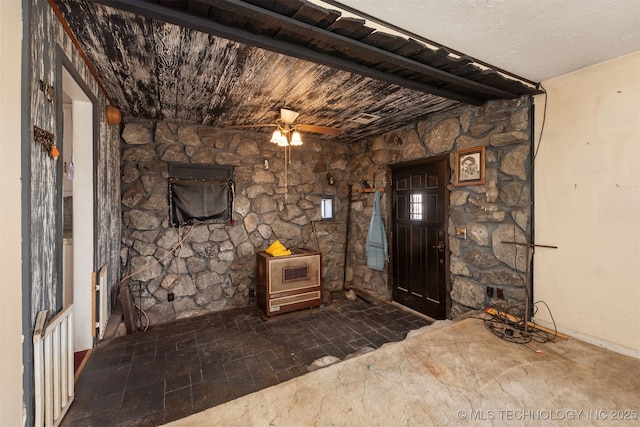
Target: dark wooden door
[(419, 241)]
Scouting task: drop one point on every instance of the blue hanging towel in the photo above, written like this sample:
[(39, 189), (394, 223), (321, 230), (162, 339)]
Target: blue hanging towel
[(376, 238)]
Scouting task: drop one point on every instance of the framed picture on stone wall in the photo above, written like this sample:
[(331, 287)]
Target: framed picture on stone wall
[(470, 167)]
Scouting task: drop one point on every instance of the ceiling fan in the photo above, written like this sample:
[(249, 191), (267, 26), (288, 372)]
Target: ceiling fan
[(287, 132)]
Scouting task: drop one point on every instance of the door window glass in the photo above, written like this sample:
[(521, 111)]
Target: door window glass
[(415, 207)]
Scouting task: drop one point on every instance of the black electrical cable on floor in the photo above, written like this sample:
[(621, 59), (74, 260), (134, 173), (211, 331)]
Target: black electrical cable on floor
[(503, 325)]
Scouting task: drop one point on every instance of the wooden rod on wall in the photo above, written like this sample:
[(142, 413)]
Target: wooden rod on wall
[(367, 190), (75, 42)]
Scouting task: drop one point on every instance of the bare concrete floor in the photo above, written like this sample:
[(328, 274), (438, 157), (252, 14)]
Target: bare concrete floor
[(456, 374)]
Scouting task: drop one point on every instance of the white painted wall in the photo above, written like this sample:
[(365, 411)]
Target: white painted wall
[(83, 224), (11, 401), (587, 202), (67, 191)]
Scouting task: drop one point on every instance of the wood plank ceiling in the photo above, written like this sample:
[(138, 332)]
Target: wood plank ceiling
[(233, 62)]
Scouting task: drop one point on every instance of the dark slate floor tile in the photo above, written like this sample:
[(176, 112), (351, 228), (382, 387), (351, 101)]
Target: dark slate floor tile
[(88, 412), (308, 355), (100, 360), (171, 371), (263, 376), (279, 359), (114, 383), (96, 419), (142, 403), (178, 381), (178, 404), (291, 372)]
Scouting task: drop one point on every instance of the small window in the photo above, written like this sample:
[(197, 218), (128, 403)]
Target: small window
[(326, 207), (415, 207)]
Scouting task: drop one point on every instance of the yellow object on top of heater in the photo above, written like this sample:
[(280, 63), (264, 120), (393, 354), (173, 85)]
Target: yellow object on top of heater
[(277, 249)]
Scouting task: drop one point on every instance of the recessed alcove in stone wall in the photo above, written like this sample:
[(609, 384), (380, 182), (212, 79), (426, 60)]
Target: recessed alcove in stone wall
[(212, 267)]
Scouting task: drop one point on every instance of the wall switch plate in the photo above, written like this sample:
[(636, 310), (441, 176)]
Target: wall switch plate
[(461, 233)]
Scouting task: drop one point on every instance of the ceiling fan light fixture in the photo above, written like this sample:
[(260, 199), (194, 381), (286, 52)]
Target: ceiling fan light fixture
[(282, 142), (277, 137), (288, 116), (295, 138)]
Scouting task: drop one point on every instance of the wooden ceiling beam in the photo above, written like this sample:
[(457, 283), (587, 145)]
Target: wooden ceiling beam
[(153, 10), (347, 44)]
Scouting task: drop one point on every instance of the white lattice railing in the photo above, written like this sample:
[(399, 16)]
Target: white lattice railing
[(53, 367)]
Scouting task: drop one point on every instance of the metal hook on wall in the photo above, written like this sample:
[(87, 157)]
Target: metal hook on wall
[(48, 90)]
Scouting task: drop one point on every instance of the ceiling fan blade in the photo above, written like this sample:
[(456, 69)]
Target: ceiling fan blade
[(320, 129), (252, 126)]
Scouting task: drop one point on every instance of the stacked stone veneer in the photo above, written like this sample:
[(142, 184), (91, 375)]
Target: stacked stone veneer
[(480, 261), (215, 266)]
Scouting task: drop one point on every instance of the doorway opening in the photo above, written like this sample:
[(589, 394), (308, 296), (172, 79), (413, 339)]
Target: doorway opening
[(78, 209)]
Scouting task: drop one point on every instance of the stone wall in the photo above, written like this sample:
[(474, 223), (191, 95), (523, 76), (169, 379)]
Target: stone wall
[(483, 271), (214, 268)]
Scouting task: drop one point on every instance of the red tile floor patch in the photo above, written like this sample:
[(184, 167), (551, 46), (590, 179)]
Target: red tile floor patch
[(78, 358)]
